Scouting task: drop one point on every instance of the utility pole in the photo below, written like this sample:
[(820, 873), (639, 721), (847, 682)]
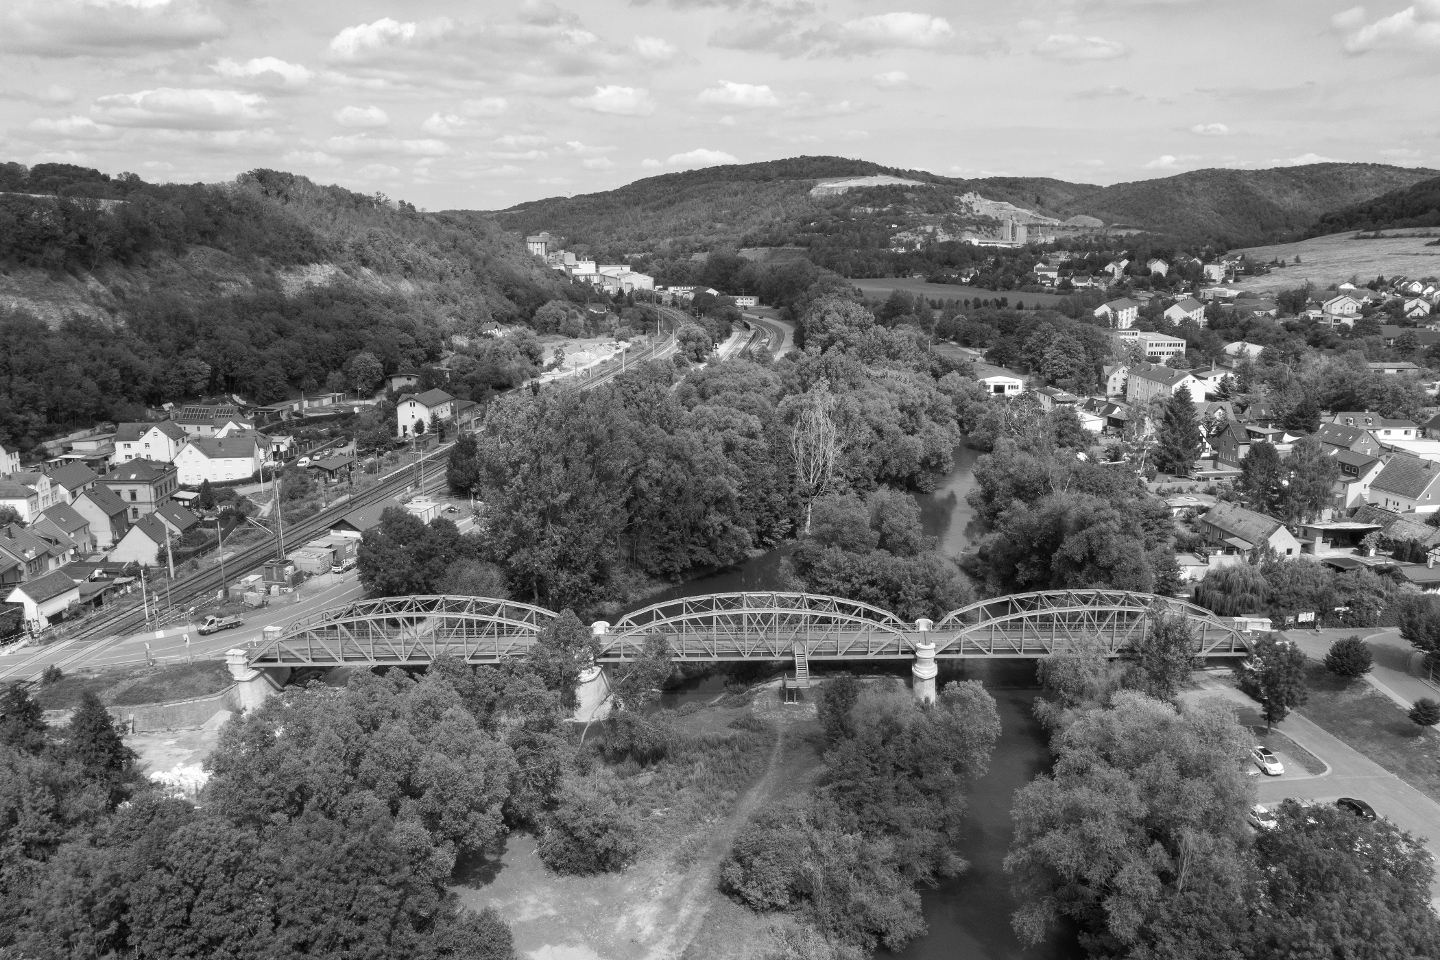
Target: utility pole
[(224, 587), (169, 561), (279, 520), (144, 597)]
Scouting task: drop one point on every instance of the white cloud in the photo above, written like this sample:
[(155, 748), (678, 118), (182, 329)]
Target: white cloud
[(526, 155), (53, 94), (516, 141), (585, 149), (449, 125), (1069, 46), (1303, 160), (1417, 27), (73, 28), (649, 163), (894, 80), (618, 100), (485, 107), (311, 158), (1210, 129), (747, 95), (369, 117), (1167, 162), (654, 49), (890, 30), (264, 68), (783, 33), (598, 163), (385, 36), (75, 128), (171, 107), (378, 171), (700, 157), (360, 144)]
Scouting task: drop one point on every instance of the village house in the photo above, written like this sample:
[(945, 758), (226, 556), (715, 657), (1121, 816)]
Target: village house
[(150, 441), (1211, 378), (1114, 375), (144, 543), (1407, 485), (69, 480), (206, 420), (1157, 347), (1158, 267), (1214, 272), (1416, 308), (26, 555), (1393, 367), (1341, 308), (538, 245), (1119, 314), (1244, 350), (1357, 472), (1230, 528), (66, 518), (1231, 444), (45, 600), (354, 524), (1047, 274), (414, 411), (235, 456), (746, 301), (998, 380), (1052, 397), (1423, 338), (1187, 309), (106, 513), (9, 460), (1341, 436), (142, 485), (1147, 381), (1116, 268), (24, 500)]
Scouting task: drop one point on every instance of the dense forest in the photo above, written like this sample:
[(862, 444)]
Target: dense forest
[(769, 205), (1413, 206), (264, 287)]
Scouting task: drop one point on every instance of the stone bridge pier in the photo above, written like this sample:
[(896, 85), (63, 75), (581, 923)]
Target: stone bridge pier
[(254, 686), (924, 669)]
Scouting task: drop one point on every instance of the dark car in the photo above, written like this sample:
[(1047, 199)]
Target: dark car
[(1360, 808)]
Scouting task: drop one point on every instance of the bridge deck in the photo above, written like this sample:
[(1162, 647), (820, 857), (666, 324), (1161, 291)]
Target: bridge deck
[(413, 631)]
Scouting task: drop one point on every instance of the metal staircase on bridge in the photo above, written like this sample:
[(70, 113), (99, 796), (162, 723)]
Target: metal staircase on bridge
[(798, 681)]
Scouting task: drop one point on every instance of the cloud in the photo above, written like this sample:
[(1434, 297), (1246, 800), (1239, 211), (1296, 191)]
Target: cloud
[(747, 95), (267, 69), (1106, 92), (1167, 162), (485, 107), (449, 125), (1069, 46), (621, 101), (654, 49), (858, 37), (53, 94), (1211, 129), (73, 28), (384, 36), (360, 144), (894, 80), (598, 163), (700, 158), (74, 128), (575, 146), (1304, 159), (377, 171), (311, 158), (516, 141), (1417, 27), (174, 108), (362, 117)]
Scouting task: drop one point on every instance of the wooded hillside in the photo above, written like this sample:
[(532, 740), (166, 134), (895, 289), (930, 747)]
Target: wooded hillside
[(1413, 206)]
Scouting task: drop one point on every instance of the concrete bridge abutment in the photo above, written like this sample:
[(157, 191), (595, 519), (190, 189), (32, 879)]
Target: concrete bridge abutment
[(253, 687), (592, 692), (924, 670)]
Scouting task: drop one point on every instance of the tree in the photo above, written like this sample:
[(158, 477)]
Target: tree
[(564, 648), (1349, 657), (462, 471), (1275, 676), (815, 444), (694, 342), (1160, 661), (1180, 439), (1304, 417), (474, 578), (9, 515), (206, 498), (92, 738), (1310, 476), (1420, 626), (1261, 476), (366, 372), (1234, 591), (402, 556), (22, 720), (1425, 712)]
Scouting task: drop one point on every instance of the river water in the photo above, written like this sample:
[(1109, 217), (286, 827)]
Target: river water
[(969, 917)]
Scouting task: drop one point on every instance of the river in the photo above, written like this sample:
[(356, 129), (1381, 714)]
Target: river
[(969, 917)]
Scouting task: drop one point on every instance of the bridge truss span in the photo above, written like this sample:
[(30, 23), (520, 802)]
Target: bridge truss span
[(407, 631)]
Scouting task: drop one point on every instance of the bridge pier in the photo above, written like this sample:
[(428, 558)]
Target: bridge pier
[(924, 670), (254, 686), (592, 692)]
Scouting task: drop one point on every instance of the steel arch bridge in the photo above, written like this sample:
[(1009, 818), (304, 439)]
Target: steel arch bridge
[(413, 631)]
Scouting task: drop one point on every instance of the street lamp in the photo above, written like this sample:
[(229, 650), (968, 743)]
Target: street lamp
[(220, 535)]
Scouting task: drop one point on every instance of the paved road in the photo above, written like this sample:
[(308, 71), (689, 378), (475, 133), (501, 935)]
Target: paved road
[(1351, 774), (1398, 668)]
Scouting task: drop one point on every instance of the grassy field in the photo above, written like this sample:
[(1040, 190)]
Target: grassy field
[(1334, 259), (882, 286), (1373, 725), (134, 685)]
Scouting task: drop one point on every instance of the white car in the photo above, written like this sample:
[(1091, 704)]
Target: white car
[(1261, 818), (1268, 763)]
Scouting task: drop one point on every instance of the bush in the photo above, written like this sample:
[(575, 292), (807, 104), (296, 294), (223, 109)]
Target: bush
[(52, 674), (1350, 658), (589, 832), (632, 735), (1425, 712)]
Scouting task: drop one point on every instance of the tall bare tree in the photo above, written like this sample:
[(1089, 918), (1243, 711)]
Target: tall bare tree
[(815, 445)]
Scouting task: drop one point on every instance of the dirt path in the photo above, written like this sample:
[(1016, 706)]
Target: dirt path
[(701, 880)]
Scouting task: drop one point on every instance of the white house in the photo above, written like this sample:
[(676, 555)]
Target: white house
[(746, 301), (28, 493), (1407, 485), (1158, 266), (414, 411), (45, 599), (1120, 314), (1214, 272), (235, 456), (1158, 347), (143, 543), (538, 245), (1116, 268), (1243, 350), (1186, 309), (9, 460), (1342, 308), (1417, 308), (998, 380), (1147, 381), (148, 441)]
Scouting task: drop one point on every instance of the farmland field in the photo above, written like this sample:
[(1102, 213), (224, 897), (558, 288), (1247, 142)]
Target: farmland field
[(881, 286), (1325, 261)]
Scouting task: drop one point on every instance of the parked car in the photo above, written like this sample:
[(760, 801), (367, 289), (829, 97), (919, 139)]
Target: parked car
[(1268, 763), (1360, 808), (340, 566), (215, 624), (1261, 818)]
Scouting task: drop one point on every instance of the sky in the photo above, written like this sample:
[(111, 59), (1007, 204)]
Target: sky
[(482, 105)]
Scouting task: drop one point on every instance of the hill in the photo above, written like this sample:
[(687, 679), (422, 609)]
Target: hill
[(1413, 206), (776, 204), (117, 294)]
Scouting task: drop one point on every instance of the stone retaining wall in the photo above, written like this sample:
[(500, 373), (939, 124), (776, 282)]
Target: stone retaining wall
[(177, 715)]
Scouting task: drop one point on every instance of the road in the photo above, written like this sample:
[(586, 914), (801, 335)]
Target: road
[(779, 336)]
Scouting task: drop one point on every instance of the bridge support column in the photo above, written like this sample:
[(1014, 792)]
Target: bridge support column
[(253, 686), (592, 692), (924, 670)]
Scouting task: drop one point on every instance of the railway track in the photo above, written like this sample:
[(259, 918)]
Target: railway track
[(182, 591)]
